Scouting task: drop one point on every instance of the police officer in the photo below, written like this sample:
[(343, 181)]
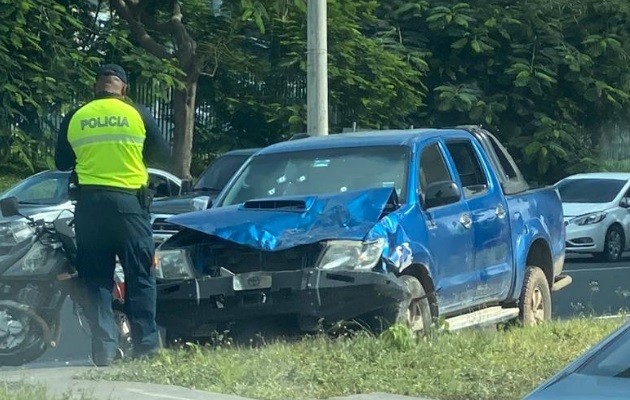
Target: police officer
[(106, 142)]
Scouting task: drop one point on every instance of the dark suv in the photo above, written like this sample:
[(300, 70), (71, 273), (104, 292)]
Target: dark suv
[(204, 190)]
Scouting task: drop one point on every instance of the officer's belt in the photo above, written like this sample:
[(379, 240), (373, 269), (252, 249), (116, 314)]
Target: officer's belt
[(99, 188)]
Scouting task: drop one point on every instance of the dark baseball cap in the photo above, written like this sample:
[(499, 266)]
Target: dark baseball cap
[(112, 69)]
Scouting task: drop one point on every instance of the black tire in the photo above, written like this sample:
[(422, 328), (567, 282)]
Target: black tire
[(25, 356), (535, 300), (309, 324), (173, 339), (614, 244), (416, 313)]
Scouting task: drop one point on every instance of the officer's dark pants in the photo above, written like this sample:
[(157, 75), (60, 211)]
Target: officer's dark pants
[(110, 224)]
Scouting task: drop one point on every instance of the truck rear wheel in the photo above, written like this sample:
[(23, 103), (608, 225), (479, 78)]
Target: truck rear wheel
[(535, 300)]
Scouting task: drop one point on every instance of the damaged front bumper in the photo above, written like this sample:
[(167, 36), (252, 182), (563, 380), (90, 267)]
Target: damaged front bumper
[(187, 306)]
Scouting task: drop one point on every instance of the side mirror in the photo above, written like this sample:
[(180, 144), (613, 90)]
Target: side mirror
[(625, 202), (186, 186), (10, 207), (209, 205), (441, 193)]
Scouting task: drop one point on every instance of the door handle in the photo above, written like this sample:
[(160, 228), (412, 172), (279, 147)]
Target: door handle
[(465, 220), (500, 211)]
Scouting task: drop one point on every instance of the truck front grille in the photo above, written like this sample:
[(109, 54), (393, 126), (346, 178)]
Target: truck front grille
[(239, 259)]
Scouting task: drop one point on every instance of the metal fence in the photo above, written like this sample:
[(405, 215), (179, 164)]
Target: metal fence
[(615, 148)]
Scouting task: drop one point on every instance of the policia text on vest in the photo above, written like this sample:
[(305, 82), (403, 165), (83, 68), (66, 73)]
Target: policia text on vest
[(101, 122)]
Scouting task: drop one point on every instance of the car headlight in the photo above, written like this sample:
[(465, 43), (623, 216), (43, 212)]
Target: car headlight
[(173, 264), (589, 219), (38, 261), (14, 232), (351, 255)]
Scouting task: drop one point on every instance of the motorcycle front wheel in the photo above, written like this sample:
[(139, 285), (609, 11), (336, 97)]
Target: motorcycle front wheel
[(24, 335)]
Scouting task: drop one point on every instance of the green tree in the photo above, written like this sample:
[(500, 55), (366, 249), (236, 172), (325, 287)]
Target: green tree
[(544, 75), (248, 45), (196, 36), (41, 66)]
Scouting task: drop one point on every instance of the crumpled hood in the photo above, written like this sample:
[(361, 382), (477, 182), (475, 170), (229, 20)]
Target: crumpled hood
[(280, 223)]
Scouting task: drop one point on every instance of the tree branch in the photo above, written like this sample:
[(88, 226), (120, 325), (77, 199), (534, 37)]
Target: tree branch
[(137, 29), (186, 45)]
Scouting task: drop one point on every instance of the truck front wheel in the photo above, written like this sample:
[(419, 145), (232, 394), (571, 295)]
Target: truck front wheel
[(535, 300), (416, 313)]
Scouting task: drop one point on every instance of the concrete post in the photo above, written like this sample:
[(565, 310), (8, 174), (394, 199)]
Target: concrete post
[(317, 69)]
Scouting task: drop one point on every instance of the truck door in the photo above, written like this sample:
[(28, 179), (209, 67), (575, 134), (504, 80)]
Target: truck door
[(450, 234), (492, 237)]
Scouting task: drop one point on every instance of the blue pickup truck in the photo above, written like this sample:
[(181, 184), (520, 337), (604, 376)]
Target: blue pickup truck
[(384, 227)]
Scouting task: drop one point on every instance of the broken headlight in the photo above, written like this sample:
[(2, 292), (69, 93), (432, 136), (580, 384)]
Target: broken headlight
[(12, 233), (173, 264), (351, 255), (37, 261)]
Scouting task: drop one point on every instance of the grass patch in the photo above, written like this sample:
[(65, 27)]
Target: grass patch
[(469, 365), (23, 391)]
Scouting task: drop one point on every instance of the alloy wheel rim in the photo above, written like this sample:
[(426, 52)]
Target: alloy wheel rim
[(12, 331), (614, 244), (538, 306), (414, 316)]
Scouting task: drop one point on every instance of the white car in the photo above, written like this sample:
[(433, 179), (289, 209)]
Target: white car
[(45, 195), (597, 213)]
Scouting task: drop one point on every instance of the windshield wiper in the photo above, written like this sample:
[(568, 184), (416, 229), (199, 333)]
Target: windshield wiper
[(206, 189), (33, 203)]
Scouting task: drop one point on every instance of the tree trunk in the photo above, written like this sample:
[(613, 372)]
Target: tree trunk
[(184, 119)]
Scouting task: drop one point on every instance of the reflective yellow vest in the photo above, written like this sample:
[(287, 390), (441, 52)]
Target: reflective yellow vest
[(107, 136)]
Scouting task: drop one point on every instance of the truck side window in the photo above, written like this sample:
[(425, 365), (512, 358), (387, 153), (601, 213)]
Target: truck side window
[(505, 163), (432, 167), (468, 167)]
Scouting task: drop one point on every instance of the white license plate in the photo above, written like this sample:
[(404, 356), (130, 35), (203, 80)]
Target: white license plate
[(251, 281)]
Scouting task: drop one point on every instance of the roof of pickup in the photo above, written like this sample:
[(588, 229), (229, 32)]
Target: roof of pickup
[(375, 138), (511, 178)]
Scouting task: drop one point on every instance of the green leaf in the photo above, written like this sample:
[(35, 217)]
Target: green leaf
[(294, 120), (474, 44), (532, 148), (461, 21), (521, 79), (545, 77), (301, 5), (435, 17), (459, 43)]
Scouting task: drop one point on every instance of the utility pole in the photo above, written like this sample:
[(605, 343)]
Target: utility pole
[(317, 69)]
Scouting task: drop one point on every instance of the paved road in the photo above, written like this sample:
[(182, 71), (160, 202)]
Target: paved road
[(597, 288)]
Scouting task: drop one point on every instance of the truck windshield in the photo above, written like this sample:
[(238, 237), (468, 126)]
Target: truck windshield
[(217, 175), (613, 360), (590, 190), (321, 171)]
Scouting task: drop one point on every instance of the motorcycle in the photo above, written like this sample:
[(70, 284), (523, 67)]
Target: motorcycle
[(37, 275)]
